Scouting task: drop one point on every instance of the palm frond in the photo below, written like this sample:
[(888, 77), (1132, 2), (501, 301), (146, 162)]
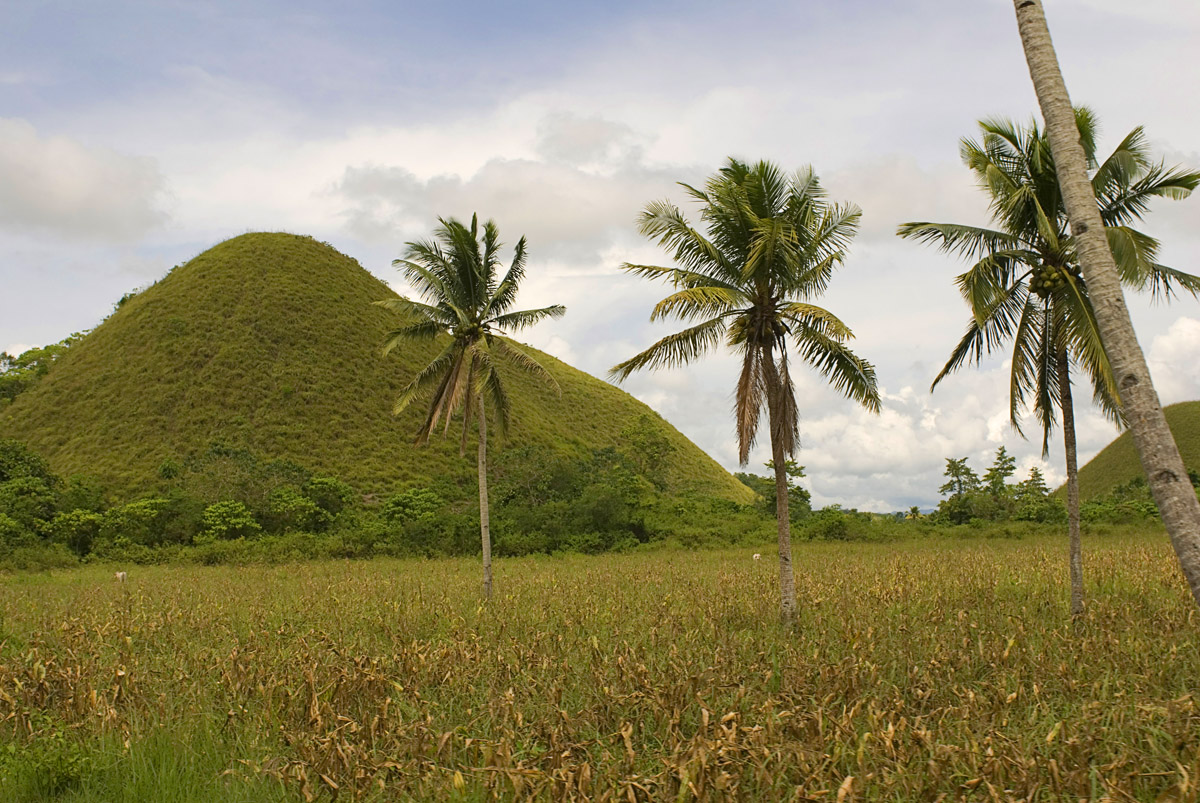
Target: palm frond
[(522, 359), (698, 302), (849, 374), (516, 321), (674, 350), (969, 242), (748, 402)]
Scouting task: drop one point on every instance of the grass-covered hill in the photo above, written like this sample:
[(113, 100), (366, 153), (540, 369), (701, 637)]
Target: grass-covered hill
[(270, 342), (1118, 462)]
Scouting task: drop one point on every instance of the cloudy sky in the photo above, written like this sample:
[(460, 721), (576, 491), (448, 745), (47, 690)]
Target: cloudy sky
[(134, 135)]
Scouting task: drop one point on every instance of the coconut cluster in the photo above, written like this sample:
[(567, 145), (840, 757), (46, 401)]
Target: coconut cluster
[(1048, 278)]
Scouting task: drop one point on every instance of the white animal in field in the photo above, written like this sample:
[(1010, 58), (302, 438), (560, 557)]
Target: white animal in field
[(120, 577), (757, 556)]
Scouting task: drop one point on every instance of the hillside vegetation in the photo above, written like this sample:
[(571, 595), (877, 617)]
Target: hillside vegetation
[(1118, 463), (270, 343)]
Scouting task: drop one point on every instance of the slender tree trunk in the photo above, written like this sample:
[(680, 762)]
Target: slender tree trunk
[(787, 580), (1076, 548), (1160, 458), (484, 529)]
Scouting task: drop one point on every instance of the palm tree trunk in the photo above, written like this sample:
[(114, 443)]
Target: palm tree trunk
[(1075, 549), (1156, 447), (787, 580), (484, 529)]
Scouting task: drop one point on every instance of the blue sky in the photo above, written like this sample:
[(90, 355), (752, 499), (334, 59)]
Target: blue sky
[(135, 135)]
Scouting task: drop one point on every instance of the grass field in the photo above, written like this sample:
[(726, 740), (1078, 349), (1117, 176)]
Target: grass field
[(920, 669)]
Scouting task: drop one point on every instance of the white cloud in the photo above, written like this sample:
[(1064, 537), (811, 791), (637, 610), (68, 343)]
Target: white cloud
[(59, 185), (1174, 361)]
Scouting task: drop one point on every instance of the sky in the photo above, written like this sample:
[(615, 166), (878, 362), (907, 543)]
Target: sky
[(135, 135)]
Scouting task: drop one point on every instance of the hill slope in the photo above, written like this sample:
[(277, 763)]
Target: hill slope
[(1118, 463), (270, 342)]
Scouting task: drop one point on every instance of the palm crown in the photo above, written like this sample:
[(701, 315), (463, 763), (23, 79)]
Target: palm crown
[(457, 276), (1025, 283), (773, 243)]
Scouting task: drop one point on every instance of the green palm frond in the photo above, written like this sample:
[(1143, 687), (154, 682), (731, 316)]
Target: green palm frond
[(674, 350), (771, 244), (516, 321), (698, 302), (1014, 164), (969, 242), (849, 374), (458, 273), (810, 316), (525, 361)]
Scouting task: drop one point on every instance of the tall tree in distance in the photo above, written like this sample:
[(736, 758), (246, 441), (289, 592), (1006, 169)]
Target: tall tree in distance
[(468, 305), (772, 244), (1156, 446), (1025, 286)]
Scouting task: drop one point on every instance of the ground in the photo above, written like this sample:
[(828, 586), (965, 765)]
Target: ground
[(919, 668)]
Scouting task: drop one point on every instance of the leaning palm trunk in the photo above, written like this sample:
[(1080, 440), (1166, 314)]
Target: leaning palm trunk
[(485, 532), (1156, 447), (1075, 549), (787, 579)]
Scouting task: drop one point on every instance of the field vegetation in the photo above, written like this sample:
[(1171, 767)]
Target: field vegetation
[(920, 668)]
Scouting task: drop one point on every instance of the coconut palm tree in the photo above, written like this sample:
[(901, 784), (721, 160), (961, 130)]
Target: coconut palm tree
[(468, 305), (772, 244), (1025, 285), (1156, 446)]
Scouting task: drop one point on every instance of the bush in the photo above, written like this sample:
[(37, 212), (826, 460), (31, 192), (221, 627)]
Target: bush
[(289, 510), (13, 534), (226, 521), (415, 504), (77, 530), (329, 494), (28, 500), (142, 522)]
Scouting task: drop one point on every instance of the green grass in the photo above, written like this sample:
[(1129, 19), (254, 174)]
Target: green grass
[(270, 342), (920, 668), (1118, 462)]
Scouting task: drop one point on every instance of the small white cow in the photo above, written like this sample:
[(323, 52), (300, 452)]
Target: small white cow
[(120, 577), (757, 556)]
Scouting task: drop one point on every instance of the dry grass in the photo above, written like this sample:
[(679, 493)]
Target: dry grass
[(920, 670)]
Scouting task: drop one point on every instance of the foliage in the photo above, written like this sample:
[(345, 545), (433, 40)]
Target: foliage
[(289, 510), (995, 499), (1025, 285), (225, 521), (20, 372), (17, 460), (799, 499), (27, 500), (76, 529)]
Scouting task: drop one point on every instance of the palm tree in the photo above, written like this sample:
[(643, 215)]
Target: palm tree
[(1156, 446), (1025, 284), (468, 301), (771, 247)]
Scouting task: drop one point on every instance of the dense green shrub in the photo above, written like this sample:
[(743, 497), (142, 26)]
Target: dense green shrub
[(414, 504), (329, 494), (288, 510), (141, 522), (28, 500), (226, 521), (76, 529)]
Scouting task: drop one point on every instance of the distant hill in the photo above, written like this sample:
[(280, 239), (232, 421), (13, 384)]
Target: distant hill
[(1118, 463), (270, 342)]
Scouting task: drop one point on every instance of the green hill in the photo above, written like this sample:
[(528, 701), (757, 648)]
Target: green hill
[(270, 342), (1118, 463)]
